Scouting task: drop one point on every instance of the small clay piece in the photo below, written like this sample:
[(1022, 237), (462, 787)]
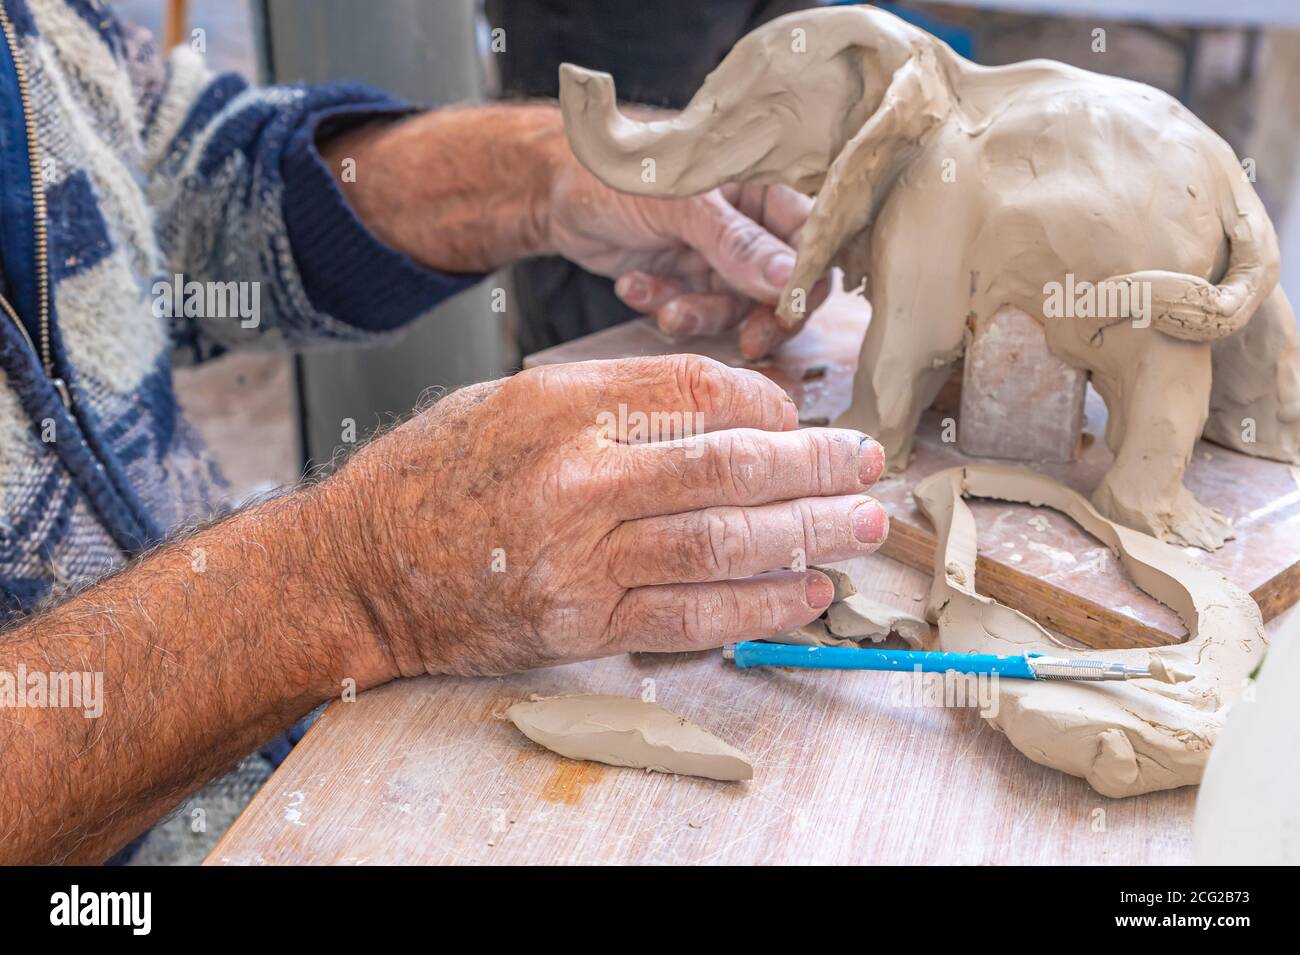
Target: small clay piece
[(812, 634), (860, 618), (853, 618), (1123, 738), (843, 583), (625, 731), (1100, 207)]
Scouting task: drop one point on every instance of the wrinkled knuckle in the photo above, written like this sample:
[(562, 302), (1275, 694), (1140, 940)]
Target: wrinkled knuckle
[(804, 518), (533, 394), (714, 472), (755, 388), (741, 241), (823, 451), (742, 465), (706, 619), (618, 556), (533, 381), (768, 611), (702, 383), (649, 627), (724, 543), (689, 557), (699, 551), (703, 551)]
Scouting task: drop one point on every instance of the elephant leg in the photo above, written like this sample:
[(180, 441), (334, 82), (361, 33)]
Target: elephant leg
[(1157, 392), (1255, 402), (912, 343)]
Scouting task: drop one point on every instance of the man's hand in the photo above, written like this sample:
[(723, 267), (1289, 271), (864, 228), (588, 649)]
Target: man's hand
[(471, 189), (700, 265), (514, 526)]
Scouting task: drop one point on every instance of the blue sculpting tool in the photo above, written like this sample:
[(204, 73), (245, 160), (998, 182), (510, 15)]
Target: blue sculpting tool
[(1032, 666)]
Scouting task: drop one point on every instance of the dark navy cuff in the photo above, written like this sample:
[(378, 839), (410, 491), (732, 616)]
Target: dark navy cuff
[(347, 272)]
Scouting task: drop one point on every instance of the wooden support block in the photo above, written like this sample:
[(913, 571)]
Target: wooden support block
[(1018, 400)]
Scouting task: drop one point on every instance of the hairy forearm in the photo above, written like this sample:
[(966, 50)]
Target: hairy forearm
[(463, 189), (207, 647)]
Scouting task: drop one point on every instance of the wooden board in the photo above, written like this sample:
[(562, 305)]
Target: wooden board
[(846, 771), (1033, 559)]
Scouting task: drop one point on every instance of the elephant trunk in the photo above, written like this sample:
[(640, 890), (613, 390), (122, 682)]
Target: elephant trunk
[(675, 156)]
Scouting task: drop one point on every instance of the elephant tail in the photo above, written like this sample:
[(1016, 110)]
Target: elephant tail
[(1193, 309)]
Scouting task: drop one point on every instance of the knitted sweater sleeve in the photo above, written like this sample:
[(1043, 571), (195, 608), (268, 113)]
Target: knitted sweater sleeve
[(241, 195)]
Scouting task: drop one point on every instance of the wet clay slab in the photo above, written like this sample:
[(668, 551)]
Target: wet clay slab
[(1033, 559)]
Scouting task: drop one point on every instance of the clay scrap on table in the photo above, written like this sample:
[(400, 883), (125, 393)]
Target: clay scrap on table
[(853, 619), (1099, 207), (1123, 738), (625, 731)]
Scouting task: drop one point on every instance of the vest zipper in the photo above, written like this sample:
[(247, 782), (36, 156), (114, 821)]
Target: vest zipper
[(40, 228)]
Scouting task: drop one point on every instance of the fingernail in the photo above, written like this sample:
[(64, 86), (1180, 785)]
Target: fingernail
[(779, 269), (678, 318), (633, 290), (670, 318), (871, 461), (870, 525), (818, 591), (790, 420), (688, 322)]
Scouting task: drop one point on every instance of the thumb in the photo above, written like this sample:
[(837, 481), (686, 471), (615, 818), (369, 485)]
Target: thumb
[(744, 254)]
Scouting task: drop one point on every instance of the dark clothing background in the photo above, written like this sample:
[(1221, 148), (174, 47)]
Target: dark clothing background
[(658, 52)]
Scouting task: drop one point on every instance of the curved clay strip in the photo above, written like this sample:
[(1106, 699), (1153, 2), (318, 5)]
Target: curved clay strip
[(1123, 738)]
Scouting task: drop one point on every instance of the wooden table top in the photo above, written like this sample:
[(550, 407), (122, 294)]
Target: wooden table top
[(847, 770)]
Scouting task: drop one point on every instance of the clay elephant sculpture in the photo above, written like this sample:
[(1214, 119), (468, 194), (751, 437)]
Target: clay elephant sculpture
[(953, 189)]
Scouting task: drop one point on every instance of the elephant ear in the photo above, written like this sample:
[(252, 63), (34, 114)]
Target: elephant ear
[(917, 101)]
